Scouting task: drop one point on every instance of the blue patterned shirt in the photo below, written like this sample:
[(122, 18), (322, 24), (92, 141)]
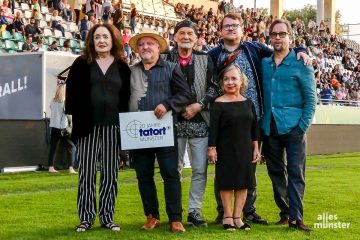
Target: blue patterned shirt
[(245, 67)]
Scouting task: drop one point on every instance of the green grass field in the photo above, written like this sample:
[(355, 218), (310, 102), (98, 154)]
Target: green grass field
[(43, 206)]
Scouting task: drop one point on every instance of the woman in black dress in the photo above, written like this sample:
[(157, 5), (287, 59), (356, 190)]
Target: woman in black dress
[(233, 145)]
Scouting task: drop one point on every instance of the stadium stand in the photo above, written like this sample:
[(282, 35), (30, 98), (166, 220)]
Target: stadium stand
[(336, 60)]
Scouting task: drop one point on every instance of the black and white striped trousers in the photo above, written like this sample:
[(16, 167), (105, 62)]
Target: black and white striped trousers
[(101, 145)]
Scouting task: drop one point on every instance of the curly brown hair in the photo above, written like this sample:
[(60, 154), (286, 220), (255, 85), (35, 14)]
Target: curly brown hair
[(117, 49)]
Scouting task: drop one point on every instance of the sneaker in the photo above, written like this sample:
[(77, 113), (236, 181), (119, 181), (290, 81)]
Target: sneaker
[(72, 171), (151, 223), (255, 218), (298, 224), (52, 170), (219, 218), (195, 219), (177, 227)]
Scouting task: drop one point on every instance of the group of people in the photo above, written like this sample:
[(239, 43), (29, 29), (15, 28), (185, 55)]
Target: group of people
[(339, 77), (220, 101)]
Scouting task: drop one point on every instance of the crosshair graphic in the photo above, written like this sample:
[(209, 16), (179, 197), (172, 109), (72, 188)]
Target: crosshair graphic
[(132, 129)]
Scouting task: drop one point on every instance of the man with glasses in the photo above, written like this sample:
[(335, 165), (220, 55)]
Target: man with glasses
[(289, 106), (248, 56)]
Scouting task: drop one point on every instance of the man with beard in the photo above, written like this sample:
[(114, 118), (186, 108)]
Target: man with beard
[(247, 55), (289, 106), (193, 122), (157, 85)]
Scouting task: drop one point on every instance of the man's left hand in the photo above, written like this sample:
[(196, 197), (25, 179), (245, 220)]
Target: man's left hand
[(191, 110)]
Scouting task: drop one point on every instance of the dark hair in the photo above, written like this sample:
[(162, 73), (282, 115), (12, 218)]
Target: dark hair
[(233, 16), (117, 49), (279, 21), (66, 43)]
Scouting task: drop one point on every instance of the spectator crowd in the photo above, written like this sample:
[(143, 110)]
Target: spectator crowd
[(336, 60)]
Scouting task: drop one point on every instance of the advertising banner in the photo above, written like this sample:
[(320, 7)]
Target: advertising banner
[(21, 86), (143, 130)]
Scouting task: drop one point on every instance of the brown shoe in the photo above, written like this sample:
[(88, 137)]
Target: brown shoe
[(177, 227), (282, 221), (298, 224), (151, 223)]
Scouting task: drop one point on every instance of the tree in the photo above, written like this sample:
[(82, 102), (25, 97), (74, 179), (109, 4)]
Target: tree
[(305, 14), (338, 28)]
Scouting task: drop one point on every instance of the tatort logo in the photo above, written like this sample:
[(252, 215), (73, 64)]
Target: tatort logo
[(152, 132), (146, 132)]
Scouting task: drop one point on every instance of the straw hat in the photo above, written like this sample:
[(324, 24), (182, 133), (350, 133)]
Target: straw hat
[(148, 33)]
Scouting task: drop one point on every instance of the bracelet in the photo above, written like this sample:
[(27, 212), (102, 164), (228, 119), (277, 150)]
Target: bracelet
[(201, 104)]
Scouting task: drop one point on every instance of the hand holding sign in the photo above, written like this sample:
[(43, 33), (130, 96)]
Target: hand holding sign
[(160, 111), (140, 130)]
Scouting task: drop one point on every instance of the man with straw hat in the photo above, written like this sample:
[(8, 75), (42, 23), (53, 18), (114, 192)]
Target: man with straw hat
[(157, 85)]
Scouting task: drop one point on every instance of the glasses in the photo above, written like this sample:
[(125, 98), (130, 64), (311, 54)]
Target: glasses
[(280, 34), (231, 26)]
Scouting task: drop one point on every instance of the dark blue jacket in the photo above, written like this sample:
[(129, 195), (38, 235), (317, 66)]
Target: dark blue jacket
[(254, 52)]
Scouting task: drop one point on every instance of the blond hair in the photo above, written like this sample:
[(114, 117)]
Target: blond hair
[(60, 93), (243, 77)]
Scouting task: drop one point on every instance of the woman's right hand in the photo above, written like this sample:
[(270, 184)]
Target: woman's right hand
[(212, 154)]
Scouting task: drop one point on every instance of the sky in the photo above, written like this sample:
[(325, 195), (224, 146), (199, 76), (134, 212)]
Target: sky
[(349, 9)]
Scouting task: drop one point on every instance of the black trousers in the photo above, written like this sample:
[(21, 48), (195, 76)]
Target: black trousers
[(101, 145), (55, 140), (167, 157)]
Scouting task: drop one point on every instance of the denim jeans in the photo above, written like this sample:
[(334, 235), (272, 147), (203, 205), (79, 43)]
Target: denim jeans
[(132, 24), (127, 49), (287, 176), (84, 34), (167, 158)]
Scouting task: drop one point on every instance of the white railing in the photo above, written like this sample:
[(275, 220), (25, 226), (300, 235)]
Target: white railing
[(335, 102)]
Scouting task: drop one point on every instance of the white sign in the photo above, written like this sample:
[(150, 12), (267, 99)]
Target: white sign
[(143, 130)]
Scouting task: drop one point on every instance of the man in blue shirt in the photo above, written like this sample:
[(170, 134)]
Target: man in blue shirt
[(326, 94), (247, 55), (289, 106)]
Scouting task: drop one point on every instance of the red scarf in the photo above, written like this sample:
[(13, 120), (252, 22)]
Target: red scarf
[(184, 61)]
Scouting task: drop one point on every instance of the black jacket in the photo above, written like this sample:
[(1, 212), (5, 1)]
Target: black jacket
[(78, 98)]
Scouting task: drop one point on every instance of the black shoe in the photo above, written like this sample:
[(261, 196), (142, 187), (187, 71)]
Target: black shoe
[(283, 221), (299, 225), (195, 219), (255, 218), (228, 227), (245, 227), (219, 218)]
